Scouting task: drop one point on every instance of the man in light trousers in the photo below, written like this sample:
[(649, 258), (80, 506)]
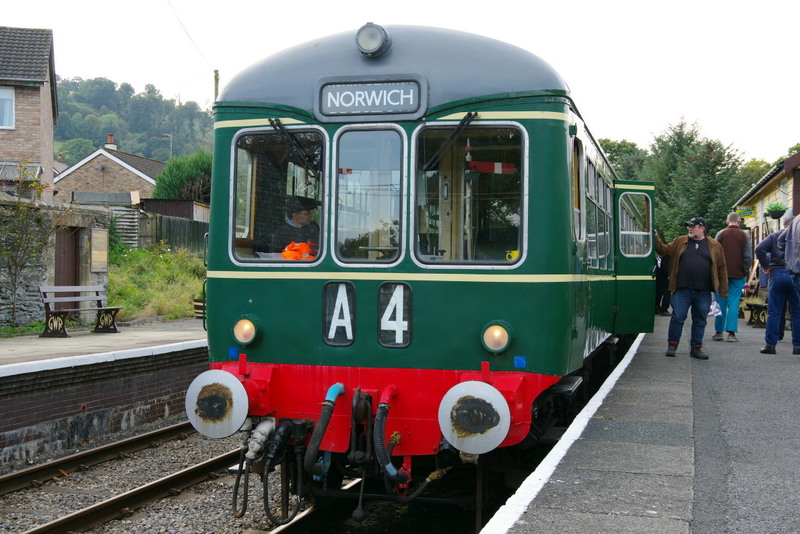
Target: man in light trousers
[(738, 259)]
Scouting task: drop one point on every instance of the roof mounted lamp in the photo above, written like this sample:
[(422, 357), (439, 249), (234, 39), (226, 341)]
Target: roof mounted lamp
[(372, 40)]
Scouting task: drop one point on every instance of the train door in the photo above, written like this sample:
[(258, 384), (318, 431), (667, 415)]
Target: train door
[(635, 284)]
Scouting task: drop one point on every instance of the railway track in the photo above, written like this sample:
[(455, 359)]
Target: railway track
[(81, 491), (126, 503), (38, 474)]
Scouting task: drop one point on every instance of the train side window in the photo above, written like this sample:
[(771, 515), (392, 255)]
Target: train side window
[(277, 192), (468, 195), (592, 232), (635, 224), (577, 191), (368, 196)]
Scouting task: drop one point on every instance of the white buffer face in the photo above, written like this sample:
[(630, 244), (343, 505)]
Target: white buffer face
[(474, 417), (216, 404)]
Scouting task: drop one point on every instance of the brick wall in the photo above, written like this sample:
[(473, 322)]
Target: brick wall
[(25, 140), (56, 410), (102, 175)]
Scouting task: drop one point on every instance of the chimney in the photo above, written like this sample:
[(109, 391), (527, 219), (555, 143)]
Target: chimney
[(110, 143)]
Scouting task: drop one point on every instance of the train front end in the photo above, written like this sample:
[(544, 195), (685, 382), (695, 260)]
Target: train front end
[(391, 260)]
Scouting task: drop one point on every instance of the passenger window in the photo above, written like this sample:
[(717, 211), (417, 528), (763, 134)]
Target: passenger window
[(468, 187), (278, 187), (635, 224)]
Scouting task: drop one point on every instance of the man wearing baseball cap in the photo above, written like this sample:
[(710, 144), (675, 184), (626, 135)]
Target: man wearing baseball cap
[(299, 226), (696, 269)]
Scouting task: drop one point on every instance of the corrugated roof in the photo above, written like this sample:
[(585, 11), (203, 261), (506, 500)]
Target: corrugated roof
[(25, 54)]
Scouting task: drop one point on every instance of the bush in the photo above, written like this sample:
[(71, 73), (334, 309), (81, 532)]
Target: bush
[(155, 282)]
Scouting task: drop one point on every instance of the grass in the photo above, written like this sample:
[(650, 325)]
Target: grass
[(155, 282)]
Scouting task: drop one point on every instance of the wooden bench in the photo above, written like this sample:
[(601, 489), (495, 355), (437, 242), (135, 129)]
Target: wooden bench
[(55, 324)]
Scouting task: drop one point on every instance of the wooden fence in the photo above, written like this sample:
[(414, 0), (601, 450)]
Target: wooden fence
[(175, 231)]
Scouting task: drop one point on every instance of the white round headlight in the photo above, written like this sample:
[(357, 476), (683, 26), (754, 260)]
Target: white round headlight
[(244, 331), (496, 337)]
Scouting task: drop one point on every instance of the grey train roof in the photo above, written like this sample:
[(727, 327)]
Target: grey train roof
[(456, 65)]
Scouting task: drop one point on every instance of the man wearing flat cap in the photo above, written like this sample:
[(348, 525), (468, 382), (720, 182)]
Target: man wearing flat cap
[(696, 269), (298, 226)]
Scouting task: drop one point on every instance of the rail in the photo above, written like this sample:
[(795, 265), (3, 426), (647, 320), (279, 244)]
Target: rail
[(125, 503), (39, 474)]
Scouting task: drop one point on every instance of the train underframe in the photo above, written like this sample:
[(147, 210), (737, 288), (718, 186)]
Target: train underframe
[(310, 472)]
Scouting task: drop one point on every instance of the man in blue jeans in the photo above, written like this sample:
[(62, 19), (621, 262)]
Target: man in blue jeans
[(696, 269), (789, 243), (781, 290)]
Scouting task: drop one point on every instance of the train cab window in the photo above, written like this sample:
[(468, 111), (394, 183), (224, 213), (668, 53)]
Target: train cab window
[(278, 187), (635, 216), (468, 196), (368, 196)]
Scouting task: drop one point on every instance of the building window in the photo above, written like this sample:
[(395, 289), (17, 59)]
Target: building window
[(6, 107)]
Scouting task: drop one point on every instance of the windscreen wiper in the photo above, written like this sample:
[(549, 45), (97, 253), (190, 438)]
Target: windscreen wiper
[(296, 148), (434, 161)]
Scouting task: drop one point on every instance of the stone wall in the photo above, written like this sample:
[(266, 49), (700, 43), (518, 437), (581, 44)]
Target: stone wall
[(41, 270)]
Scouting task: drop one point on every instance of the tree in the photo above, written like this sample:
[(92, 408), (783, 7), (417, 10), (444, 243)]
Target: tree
[(99, 93), (693, 176), (792, 150), (92, 109), (26, 232), (626, 158), (75, 150), (186, 177), (752, 171)]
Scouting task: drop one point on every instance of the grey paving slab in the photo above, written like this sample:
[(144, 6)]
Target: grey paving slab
[(631, 458), (673, 407), (558, 521), (619, 493), (649, 432)]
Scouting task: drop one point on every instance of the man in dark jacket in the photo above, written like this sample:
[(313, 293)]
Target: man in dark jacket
[(298, 226), (696, 269), (738, 260), (781, 290)]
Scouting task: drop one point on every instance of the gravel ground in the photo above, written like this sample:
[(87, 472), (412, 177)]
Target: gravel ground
[(200, 509), (204, 508)]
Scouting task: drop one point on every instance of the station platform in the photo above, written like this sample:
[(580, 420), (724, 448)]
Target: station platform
[(29, 352), (677, 445)]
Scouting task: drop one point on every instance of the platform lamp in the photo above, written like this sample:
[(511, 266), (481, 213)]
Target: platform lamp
[(170, 143)]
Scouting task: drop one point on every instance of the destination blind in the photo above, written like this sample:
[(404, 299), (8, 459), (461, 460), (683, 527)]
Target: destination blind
[(373, 98)]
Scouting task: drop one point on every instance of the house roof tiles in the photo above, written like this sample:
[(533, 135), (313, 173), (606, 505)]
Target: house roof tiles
[(150, 167), (147, 168), (26, 54)]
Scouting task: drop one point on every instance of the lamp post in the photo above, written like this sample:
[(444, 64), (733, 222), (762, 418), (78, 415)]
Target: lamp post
[(170, 143)]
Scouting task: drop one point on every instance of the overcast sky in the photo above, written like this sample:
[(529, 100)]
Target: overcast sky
[(635, 67)]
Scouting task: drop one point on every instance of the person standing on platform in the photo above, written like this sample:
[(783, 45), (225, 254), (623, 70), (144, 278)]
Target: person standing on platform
[(738, 259), (662, 286), (780, 291), (696, 269)]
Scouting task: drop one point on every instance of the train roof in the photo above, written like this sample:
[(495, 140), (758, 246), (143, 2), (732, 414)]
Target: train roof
[(455, 64)]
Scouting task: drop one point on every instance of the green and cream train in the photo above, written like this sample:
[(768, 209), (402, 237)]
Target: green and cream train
[(416, 248)]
